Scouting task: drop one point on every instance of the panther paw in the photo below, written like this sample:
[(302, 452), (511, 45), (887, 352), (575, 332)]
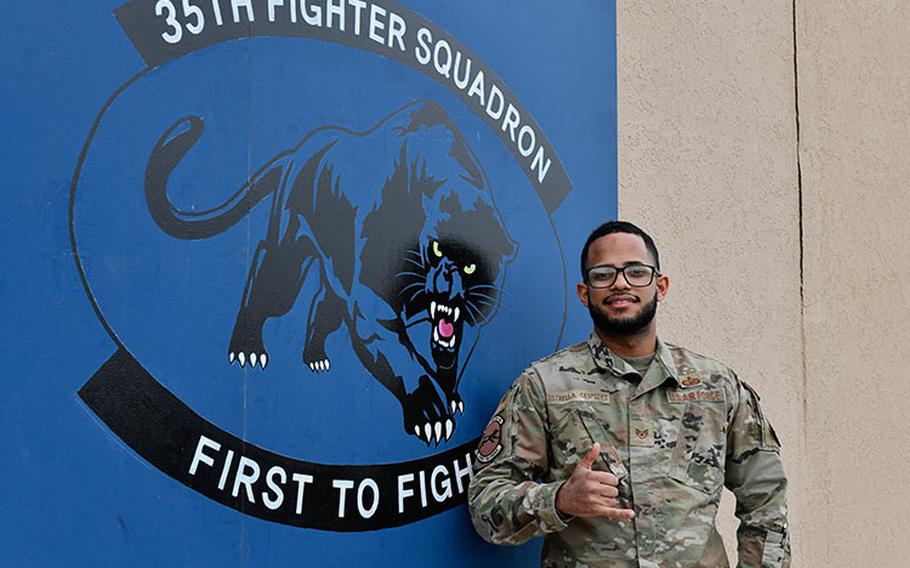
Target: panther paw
[(246, 347), (426, 416)]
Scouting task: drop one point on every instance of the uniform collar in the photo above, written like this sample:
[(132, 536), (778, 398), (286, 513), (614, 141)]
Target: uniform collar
[(657, 374)]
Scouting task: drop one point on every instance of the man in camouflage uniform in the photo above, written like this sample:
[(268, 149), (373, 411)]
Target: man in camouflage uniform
[(617, 449)]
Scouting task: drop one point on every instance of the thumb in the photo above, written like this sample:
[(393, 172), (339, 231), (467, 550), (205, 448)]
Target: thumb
[(588, 461)]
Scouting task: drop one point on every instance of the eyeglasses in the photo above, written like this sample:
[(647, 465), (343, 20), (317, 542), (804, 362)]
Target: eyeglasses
[(637, 275)]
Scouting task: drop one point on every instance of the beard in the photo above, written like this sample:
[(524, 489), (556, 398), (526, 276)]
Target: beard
[(623, 326)]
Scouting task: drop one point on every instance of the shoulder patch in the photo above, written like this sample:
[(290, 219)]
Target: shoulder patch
[(490, 440)]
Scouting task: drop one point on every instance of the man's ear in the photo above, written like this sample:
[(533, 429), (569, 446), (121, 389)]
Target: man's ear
[(663, 286), (582, 291)]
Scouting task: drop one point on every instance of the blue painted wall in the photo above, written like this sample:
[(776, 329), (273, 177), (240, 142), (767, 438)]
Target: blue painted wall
[(82, 111)]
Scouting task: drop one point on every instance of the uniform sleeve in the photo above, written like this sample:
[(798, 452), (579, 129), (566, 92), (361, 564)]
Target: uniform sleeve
[(507, 503), (755, 474)]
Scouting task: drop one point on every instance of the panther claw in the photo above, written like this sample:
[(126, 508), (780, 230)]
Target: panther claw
[(320, 366), (261, 358)]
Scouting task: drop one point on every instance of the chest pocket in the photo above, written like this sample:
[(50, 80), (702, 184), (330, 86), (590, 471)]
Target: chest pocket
[(698, 458), (577, 426)]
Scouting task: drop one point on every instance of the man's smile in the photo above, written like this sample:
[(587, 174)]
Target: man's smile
[(621, 300)]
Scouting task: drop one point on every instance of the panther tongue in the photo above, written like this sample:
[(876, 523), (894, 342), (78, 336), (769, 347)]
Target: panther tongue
[(445, 328)]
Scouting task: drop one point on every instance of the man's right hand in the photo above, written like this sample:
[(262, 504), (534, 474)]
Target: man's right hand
[(589, 493)]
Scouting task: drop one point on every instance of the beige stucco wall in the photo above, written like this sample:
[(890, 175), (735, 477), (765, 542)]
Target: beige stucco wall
[(786, 235)]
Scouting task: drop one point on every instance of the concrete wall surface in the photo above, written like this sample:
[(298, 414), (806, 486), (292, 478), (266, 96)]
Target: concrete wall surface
[(765, 147)]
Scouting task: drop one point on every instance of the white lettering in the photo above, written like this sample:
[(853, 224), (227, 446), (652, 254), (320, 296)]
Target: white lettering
[(301, 479), (463, 82), (272, 4), (191, 11), (477, 88), (397, 28), (334, 8), (421, 475), (247, 5), (171, 20), (374, 489), (422, 51), (358, 5), (495, 95), (460, 473), (343, 485), (224, 471), (216, 8), (311, 14), (526, 130), (446, 484), (510, 121), (270, 481), (376, 24), (402, 492), (442, 68), (542, 168), (247, 474), (200, 456)]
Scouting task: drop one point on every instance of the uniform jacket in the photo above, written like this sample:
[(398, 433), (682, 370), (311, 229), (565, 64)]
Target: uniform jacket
[(674, 438)]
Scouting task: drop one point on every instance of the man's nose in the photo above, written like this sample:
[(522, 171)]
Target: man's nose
[(621, 283)]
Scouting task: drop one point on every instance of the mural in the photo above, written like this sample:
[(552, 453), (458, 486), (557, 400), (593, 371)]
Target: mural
[(425, 245), (321, 238)]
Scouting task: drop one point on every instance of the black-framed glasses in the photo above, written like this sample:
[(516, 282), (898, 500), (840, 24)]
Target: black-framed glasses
[(637, 275)]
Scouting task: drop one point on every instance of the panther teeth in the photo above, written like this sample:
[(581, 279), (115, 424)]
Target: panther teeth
[(428, 431), (449, 426), (444, 309), (442, 342)]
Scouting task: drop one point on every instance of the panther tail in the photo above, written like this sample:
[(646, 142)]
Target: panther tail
[(167, 153)]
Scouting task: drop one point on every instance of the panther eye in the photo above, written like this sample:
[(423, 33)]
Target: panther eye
[(436, 250), (469, 269)]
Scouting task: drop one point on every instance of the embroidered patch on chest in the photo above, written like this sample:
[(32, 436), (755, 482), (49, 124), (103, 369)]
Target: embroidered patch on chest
[(702, 395), (571, 396), (690, 381), (641, 434)]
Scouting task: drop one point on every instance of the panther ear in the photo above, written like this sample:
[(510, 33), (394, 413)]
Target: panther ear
[(426, 202), (510, 255)]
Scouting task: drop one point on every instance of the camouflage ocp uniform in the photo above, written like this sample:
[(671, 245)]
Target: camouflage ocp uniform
[(674, 438)]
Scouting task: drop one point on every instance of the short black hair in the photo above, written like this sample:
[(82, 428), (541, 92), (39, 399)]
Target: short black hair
[(611, 227)]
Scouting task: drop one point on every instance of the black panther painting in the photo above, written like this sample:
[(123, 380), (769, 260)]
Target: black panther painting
[(399, 225)]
